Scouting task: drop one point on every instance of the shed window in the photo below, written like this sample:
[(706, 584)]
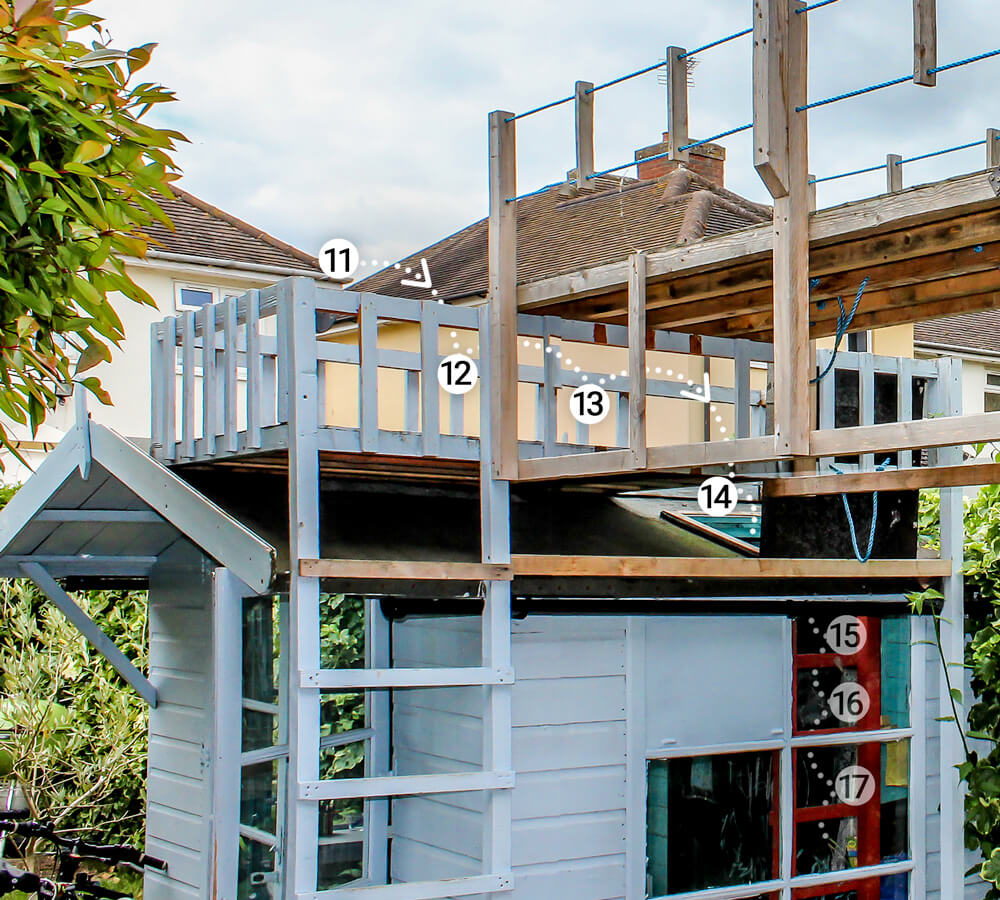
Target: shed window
[(711, 822), (991, 397)]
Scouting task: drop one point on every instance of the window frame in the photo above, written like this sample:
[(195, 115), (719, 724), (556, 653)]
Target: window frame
[(990, 389), (789, 885)]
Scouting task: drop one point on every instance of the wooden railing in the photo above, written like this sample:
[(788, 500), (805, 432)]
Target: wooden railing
[(222, 376)]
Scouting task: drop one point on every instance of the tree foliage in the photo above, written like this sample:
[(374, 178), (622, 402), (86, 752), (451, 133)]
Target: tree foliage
[(72, 734), (80, 177), (981, 768)]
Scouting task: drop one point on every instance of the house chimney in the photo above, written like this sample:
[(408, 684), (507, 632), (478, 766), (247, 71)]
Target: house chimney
[(708, 161)]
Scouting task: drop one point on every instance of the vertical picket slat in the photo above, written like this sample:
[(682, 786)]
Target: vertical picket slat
[(456, 413), (622, 420), (429, 359), (637, 358), (282, 371), (187, 385), (209, 380), (368, 317), (255, 371), (827, 400), (230, 350), (169, 376), (550, 385), (741, 367), (412, 402), (866, 386), (904, 405), (156, 388)]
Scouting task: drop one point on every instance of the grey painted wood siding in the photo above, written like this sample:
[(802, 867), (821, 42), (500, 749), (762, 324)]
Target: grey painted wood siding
[(179, 788), (569, 755)]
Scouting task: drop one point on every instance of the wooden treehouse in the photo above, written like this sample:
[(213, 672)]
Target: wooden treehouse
[(563, 694)]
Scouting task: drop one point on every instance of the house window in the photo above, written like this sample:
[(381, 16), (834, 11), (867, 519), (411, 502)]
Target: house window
[(991, 397), (195, 296), (715, 817), (711, 822)]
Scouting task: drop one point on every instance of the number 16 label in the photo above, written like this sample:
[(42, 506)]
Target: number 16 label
[(457, 374)]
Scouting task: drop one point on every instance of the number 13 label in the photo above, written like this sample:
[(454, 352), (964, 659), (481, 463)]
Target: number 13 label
[(589, 404)]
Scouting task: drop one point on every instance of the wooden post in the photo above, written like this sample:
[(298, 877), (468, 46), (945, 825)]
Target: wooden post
[(812, 193), (637, 358), (677, 103), (893, 173), (781, 157), (992, 148), (584, 107), (924, 41), (503, 294)]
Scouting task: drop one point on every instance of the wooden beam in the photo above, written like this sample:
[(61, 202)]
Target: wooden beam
[(637, 359), (770, 94), (576, 465), (584, 111), (503, 293), (677, 103), (964, 475), (402, 570), (893, 173), (713, 453), (942, 432), (723, 568), (886, 217), (788, 41), (924, 41), (992, 148)]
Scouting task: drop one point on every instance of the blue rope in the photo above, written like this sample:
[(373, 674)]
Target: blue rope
[(725, 40), (716, 137), (850, 518), (844, 320), (806, 9), (865, 90), (541, 190), (531, 112), (601, 87), (942, 152), (847, 174), (963, 62)]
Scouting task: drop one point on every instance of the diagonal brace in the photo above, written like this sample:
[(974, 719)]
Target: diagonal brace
[(90, 630)]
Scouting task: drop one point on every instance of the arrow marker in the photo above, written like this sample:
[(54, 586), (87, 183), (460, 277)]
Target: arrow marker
[(424, 282), (705, 397)]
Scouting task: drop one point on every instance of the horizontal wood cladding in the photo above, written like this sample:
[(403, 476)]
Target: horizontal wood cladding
[(928, 251)]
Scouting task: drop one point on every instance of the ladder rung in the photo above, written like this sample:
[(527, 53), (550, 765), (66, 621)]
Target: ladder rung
[(404, 570), (361, 679), (417, 890), (404, 785)]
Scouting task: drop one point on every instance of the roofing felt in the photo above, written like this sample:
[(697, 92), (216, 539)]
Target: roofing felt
[(971, 331), (201, 229), (565, 229)]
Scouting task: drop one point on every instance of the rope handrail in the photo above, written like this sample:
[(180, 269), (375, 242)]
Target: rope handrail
[(636, 74), (900, 162), (716, 137), (813, 6), (540, 190), (847, 174), (963, 62), (538, 109), (725, 40)]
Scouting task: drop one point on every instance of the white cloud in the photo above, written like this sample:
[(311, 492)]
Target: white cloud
[(321, 118)]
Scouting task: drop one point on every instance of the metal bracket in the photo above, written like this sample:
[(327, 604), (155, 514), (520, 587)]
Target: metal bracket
[(994, 179)]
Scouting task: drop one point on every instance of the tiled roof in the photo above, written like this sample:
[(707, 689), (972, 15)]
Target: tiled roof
[(201, 229), (565, 229), (972, 331)]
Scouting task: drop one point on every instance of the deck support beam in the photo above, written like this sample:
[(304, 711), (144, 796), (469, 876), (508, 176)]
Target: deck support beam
[(924, 42), (90, 630), (502, 398), (782, 160)]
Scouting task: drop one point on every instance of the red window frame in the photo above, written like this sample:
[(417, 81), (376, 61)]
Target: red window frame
[(868, 664)]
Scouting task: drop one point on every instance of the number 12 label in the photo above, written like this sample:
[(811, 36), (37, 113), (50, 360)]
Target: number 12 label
[(457, 373)]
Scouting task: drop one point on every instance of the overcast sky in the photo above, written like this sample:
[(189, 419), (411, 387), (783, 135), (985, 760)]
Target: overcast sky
[(327, 118)]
